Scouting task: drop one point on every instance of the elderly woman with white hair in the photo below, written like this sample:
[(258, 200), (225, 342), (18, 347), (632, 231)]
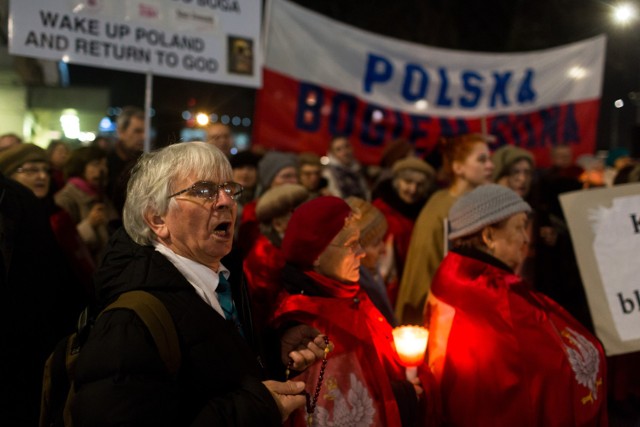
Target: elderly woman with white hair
[(503, 354), (179, 216)]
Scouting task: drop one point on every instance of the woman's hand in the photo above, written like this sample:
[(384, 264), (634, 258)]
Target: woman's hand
[(98, 215), (302, 345), (417, 386)]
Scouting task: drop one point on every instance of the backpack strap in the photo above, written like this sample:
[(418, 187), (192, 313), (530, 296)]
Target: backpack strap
[(158, 321)]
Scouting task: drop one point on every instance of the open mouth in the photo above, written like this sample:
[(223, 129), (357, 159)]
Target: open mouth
[(222, 229)]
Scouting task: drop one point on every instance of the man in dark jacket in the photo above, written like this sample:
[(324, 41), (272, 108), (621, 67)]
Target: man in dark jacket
[(179, 218), (35, 309)]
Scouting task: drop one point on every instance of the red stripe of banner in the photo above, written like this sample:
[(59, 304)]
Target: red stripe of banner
[(298, 116)]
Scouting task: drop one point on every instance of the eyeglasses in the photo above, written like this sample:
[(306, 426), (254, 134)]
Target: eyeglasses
[(209, 191), (31, 171), (354, 247)]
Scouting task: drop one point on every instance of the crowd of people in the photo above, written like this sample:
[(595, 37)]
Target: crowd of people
[(285, 274)]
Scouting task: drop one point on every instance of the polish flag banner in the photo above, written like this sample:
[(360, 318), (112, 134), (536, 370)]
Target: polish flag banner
[(323, 78)]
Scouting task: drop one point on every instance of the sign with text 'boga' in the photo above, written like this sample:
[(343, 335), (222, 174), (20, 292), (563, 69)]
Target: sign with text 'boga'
[(210, 40), (324, 78), (605, 231)]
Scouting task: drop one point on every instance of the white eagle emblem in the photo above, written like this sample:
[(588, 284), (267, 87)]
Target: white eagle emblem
[(356, 410), (585, 362)]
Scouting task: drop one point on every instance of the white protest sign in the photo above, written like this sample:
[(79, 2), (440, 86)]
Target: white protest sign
[(605, 230), (209, 40)]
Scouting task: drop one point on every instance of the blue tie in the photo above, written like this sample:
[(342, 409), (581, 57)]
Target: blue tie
[(226, 302)]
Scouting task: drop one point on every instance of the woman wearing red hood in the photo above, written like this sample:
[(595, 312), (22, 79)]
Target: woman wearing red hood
[(364, 383), (503, 354)]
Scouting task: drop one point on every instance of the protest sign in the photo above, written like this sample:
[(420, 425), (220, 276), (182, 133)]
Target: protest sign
[(605, 231), (209, 40)]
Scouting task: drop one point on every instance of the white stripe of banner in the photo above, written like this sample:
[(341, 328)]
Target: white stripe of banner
[(307, 46)]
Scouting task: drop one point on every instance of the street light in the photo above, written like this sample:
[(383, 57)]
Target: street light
[(624, 13), (615, 124)]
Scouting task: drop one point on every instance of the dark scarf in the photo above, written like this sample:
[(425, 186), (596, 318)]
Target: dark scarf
[(389, 195), (479, 255)]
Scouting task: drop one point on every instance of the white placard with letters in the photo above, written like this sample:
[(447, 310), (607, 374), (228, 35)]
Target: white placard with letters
[(209, 40), (605, 230)]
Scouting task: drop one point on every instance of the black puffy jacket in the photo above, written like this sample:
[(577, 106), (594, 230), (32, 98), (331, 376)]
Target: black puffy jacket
[(120, 378)]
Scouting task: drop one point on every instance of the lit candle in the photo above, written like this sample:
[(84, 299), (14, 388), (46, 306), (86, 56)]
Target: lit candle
[(411, 345)]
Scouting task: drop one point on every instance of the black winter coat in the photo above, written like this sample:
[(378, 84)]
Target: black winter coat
[(120, 378)]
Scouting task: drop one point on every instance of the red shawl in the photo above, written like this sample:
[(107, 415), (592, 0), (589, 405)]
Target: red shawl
[(356, 382), (505, 355)]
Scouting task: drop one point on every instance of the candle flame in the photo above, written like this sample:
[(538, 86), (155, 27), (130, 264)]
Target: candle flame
[(411, 344)]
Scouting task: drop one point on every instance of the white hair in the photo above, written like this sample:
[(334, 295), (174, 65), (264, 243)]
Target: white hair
[(153, 176)]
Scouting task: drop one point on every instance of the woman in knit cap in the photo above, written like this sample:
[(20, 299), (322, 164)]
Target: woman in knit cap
[(363, 382), (400, 202), (393, 152), (373, 271), (513, 168), (274, 168), (83, 197), (503, 354), (28, 165), (467, 162), (263, 264)]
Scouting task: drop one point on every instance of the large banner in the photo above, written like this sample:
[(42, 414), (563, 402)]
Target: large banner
[(209, 40), (605, 230), (324, 78)]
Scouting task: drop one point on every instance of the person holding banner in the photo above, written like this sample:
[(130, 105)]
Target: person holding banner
[(467, 163), (503, 354)]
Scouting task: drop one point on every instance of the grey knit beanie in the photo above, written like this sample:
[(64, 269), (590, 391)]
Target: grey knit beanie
[(272, 163), (487, 204)]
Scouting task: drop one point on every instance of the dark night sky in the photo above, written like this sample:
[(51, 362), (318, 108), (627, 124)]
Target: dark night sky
[(489, 26)]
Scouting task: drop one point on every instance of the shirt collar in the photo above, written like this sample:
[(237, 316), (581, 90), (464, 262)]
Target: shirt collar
[(202, 278)]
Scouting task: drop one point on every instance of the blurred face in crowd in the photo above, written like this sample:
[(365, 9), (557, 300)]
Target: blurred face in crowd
[(280, 223), (287, 175), (477, 167), (411, 185), (562, 156), (197, 228), (7, 141), (219, 135), (132, 137), (509, 242), (342, 150), (341, 258), (35, 176), (246, 175), (519, 177), (59, 156), (95, 172), (373, 252), (310, 176)]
